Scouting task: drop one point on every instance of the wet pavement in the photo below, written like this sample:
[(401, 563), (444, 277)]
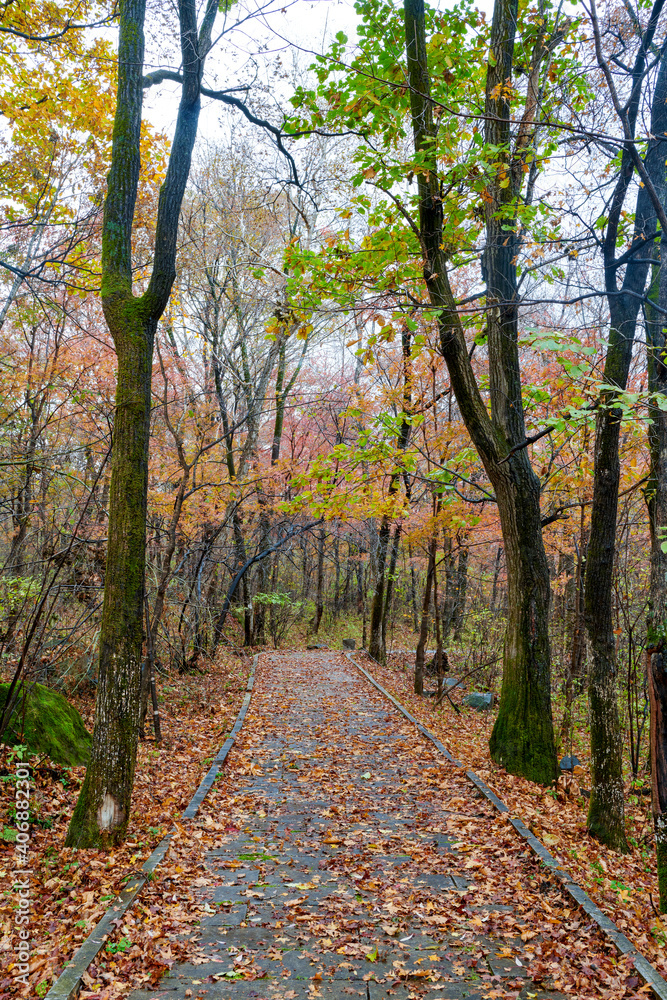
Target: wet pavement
[(354, 870)]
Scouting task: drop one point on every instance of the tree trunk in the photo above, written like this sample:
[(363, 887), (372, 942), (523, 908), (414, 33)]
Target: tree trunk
[(376, 646), (423, 630), (656, 632), (361, 604), (461, 591), (319, 601), (380, 607), (438, 659), (449, 603), (102, 811), (574, 670), (24, 500), (337, 596), (413, 591), (393, 560), (606, 814), (496, 574), (523, 738)]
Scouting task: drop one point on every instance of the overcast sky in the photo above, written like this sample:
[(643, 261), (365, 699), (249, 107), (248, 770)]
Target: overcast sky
[(290, 30)]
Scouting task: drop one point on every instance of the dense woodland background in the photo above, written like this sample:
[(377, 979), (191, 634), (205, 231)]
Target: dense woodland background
[(311, 475)]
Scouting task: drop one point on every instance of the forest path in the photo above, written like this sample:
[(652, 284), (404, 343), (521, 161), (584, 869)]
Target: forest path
[(366, 865)]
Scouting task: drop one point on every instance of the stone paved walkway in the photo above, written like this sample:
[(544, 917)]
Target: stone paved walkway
[(354, 875)]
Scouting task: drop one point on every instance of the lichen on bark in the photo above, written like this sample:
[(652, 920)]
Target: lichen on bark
[(102, 812)]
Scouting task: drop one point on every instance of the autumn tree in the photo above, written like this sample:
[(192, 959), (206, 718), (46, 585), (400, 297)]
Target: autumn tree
[(102, 812), (625, 290), (463, 177)]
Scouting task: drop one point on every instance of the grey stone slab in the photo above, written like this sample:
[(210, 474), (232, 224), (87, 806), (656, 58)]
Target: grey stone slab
[(234, 876), (416, 939), (299, 965), (420, 964), (490, 908), (187, 971), (390, 860), (533, 992), (342, 991), (248, 937), (266, 989), (287, 812), (240, 893), (230, 917), (237, 849), (435, 881), (506, 967), (298, 858), (439, 991), (232, 990), (444, 843), (293, 819)]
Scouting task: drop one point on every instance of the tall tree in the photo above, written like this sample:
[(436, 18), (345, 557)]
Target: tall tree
[(102, 812), (656, 498), (656, 490), (522, 739), (606, 813)]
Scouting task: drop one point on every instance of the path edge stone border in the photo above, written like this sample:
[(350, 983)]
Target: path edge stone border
[(648, 973), (68, 984)]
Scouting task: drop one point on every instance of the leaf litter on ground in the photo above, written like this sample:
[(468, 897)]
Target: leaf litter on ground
[(72, 889), (514, 911), (624, 886)]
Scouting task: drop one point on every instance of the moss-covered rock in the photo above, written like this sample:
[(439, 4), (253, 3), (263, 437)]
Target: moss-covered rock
[(50, 726)]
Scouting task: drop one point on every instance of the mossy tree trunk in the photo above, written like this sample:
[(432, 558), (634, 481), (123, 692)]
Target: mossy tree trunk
[(523, 738), (656, 498), (606, 813), (102, 812)]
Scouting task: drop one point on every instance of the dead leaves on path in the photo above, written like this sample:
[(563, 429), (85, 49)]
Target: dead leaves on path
[(514, 910), (621, 885)]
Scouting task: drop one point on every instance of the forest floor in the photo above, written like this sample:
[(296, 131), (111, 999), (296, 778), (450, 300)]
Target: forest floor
[(70, 890), (625, 886), (338, 854)]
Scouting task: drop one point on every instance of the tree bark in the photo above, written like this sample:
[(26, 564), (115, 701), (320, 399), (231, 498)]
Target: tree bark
[(496, 574), (656, 496), (319, 599), (391, 575), (461, 591), (381, 604), (426, 606), (449, 602), (606, 813), (102, 811), (576, 638), (376, 647), (523, 738), (656, 499)]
